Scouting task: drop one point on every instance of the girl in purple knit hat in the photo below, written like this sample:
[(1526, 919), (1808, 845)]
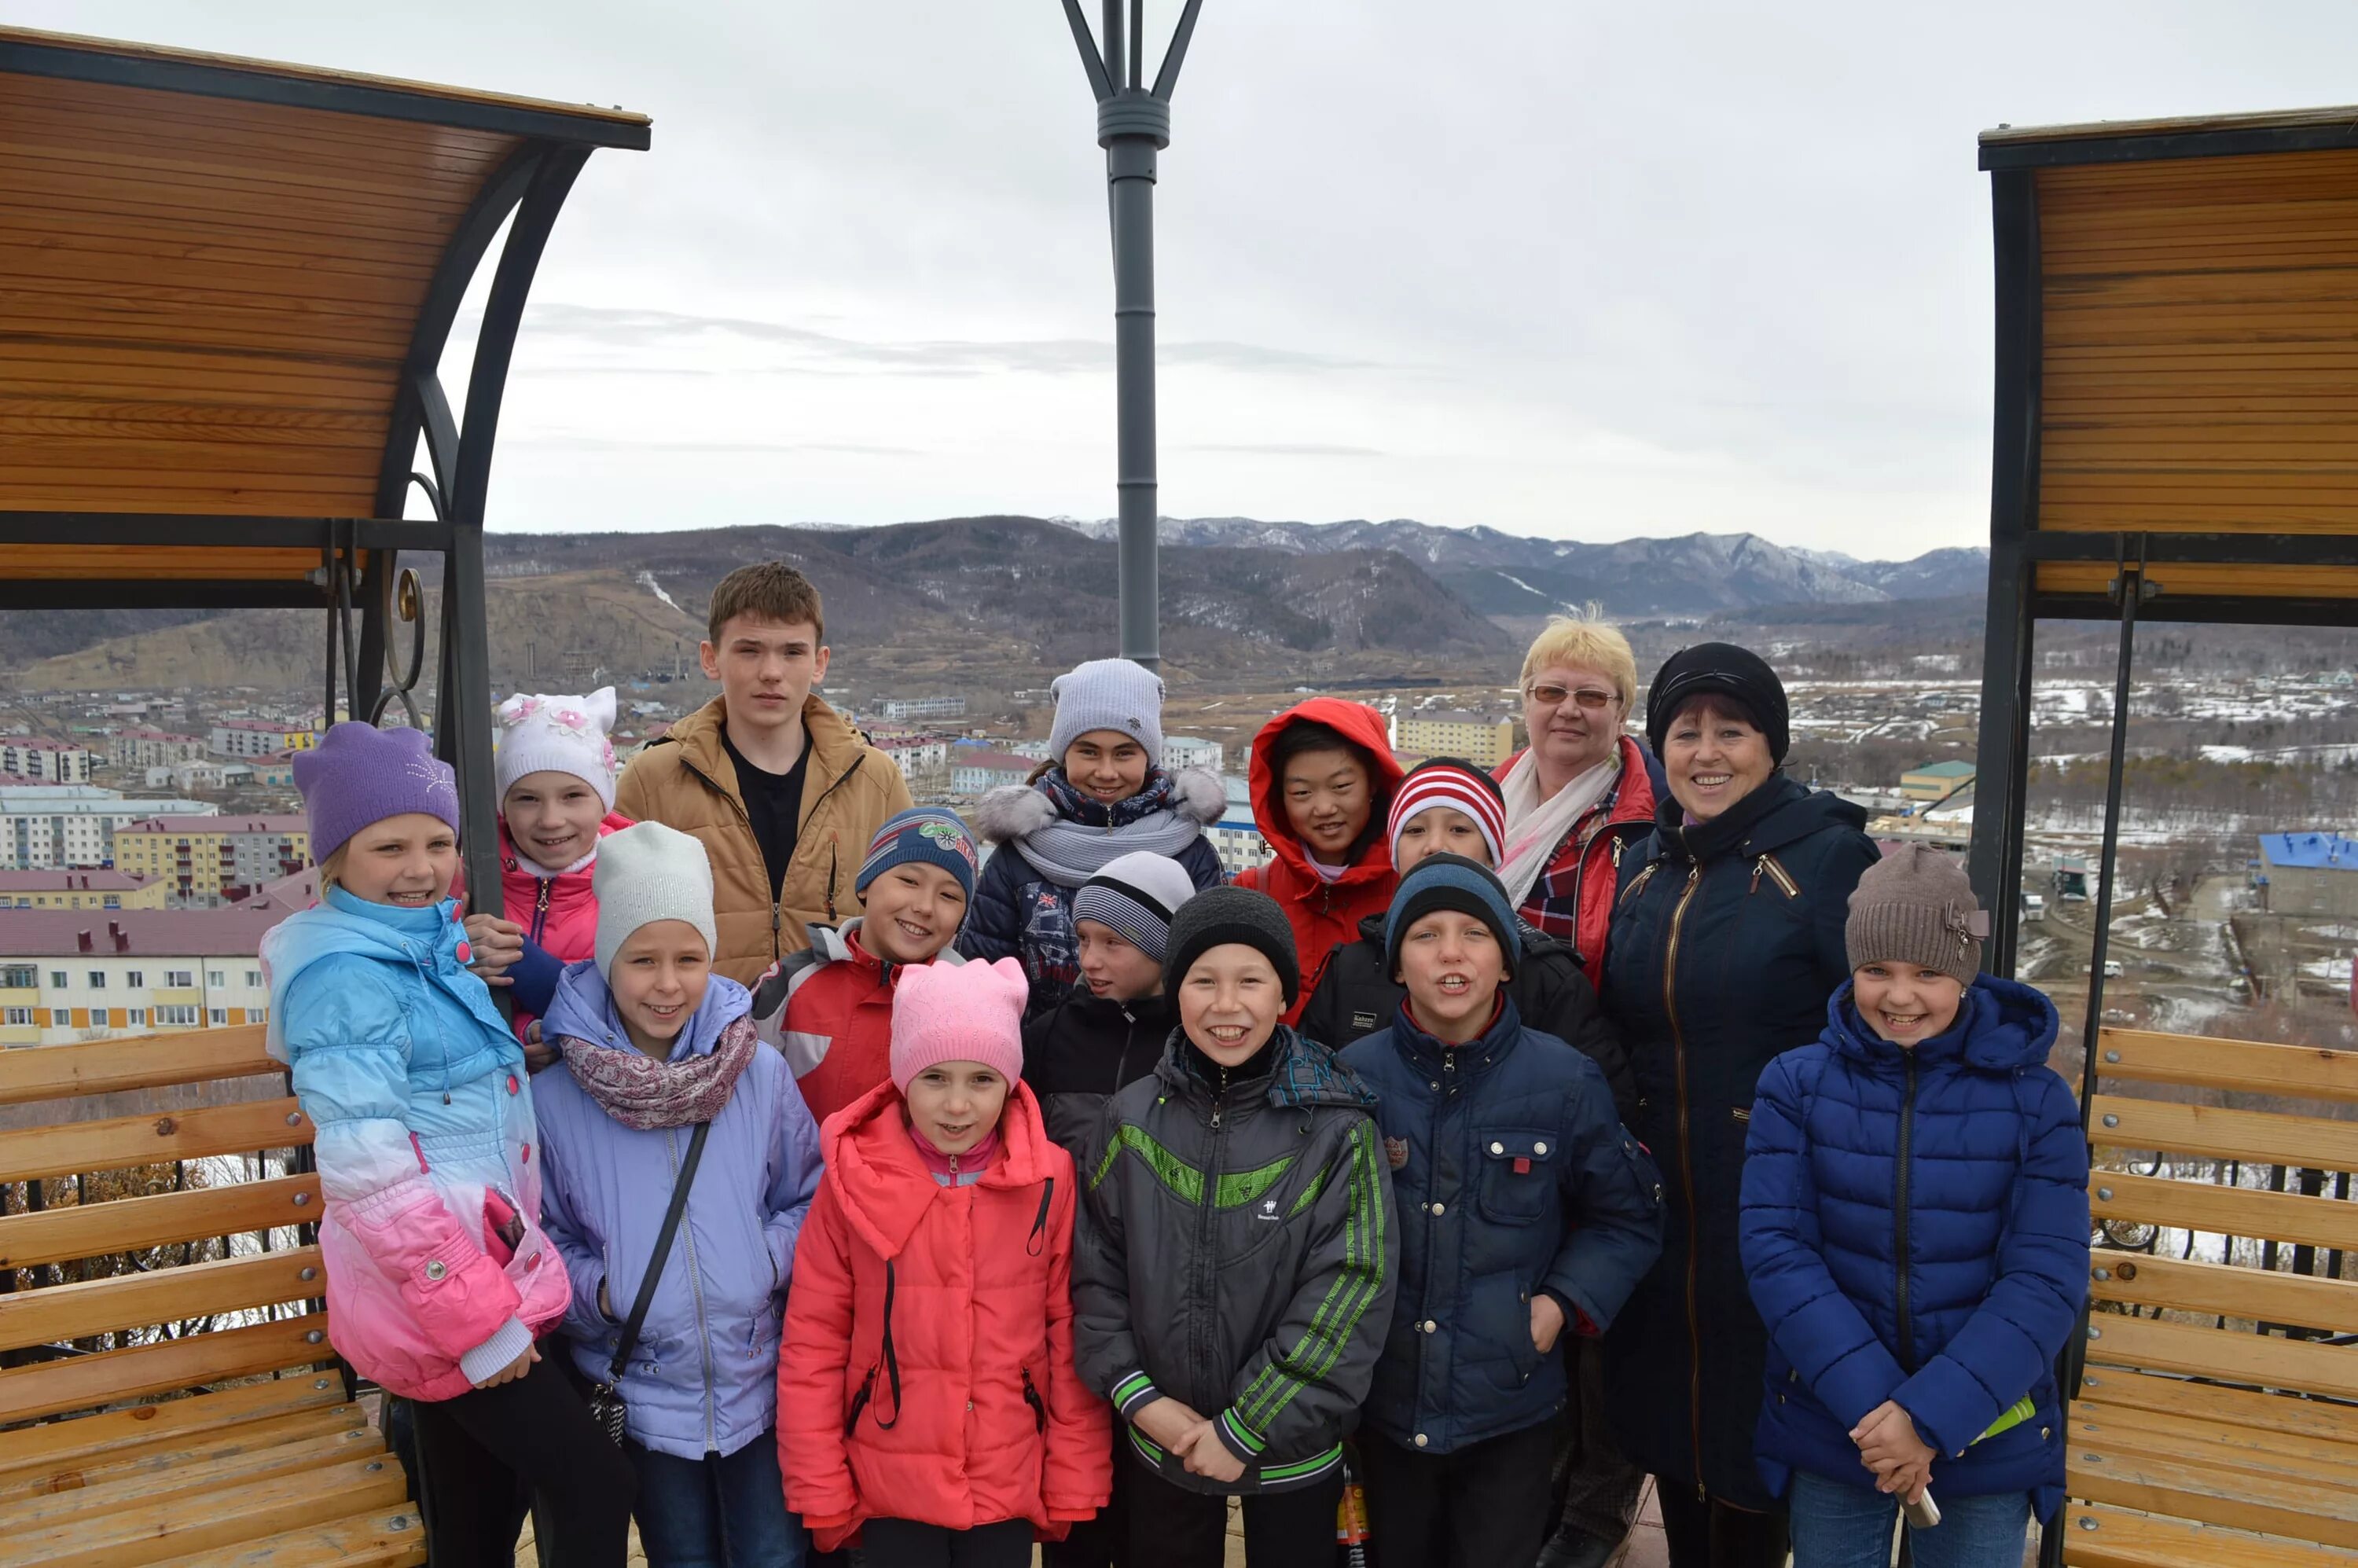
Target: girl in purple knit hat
[(439, 1278)]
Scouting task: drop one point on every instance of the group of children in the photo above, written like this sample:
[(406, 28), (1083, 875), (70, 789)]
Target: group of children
[(1017, 1207)]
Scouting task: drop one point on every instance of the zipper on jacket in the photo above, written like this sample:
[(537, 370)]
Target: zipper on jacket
[(695, 1288), (1208, 1265), (1642, 878), (1686, 1158), (540, 908), (1031, 1398), (1778, 874), (1899, 1213)]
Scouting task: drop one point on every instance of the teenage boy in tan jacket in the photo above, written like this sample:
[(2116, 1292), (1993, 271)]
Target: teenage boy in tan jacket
[(784, 794)]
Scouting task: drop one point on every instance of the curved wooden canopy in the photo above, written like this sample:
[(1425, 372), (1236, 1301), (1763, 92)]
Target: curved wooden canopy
[(224, 287)]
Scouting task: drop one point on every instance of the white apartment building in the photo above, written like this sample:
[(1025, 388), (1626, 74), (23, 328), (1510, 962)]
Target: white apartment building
[(1235, 836), (52, 762), (923, 707), (257, 737), (1189, 752), (51, 826), (136, 751), (73, 975)]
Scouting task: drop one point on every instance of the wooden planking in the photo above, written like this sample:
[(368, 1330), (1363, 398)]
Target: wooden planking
[(2182, 1440), (2245, 1442), (85, 1382), (139, 1062), (2196, 1490), (65, 1149), (2203, 1062), (223, 1465), (2243, 582), (2122, 1121), (63, 563), (2254, 1295), (2097, 1536), (94, 1440), (384, 1538), (2223, 1211), (2286, 1414), (241, 1437), (170, 1530), (180, 1294), (2261, 1360), (130, 1224)]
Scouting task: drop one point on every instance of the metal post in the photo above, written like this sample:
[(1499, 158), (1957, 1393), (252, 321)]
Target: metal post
[(1133, 126), (2132, 587)]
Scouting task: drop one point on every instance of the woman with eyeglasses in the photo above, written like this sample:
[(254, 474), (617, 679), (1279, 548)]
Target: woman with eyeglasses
[(1727, 940)]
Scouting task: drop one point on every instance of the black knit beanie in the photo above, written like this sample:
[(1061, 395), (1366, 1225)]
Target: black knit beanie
[(1724, 670), (1220, 915), (1451, 881)]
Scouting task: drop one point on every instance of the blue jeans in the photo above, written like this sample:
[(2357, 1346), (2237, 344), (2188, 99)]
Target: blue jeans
[(717, 1511), (1838, 1525)]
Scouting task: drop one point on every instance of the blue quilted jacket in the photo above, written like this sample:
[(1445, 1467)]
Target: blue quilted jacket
[(1914, 1227)]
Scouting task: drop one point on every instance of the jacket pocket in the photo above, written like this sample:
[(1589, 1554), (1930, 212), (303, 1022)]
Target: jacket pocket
[(1518, 1174)]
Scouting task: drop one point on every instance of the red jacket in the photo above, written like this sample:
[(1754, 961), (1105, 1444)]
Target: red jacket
[(559, 913), (926, 1372), (1324, 914), (1573, 900), (828, 1009)]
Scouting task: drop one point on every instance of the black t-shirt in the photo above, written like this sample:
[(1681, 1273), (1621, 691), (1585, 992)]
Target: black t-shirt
[(775, 802)]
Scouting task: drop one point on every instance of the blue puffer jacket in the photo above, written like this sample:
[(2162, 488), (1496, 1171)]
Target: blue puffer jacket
[(705, 1375), (1915, 1228), (1513, 1175)]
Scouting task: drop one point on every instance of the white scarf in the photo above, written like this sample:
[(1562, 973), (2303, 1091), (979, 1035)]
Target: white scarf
[(1535, 826)]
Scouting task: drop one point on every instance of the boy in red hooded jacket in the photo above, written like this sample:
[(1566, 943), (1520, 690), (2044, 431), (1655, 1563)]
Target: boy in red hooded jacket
[(927, 1401)]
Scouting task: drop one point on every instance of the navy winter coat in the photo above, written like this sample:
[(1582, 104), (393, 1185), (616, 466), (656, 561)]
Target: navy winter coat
[(1916, 1228), (1511, 1174), (1726, 941)]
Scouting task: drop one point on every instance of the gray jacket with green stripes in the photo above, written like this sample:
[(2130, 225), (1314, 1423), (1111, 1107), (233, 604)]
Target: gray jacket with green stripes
[(1235, 1252)]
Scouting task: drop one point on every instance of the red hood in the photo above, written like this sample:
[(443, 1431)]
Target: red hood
[(881, 1180), (1354, 721)]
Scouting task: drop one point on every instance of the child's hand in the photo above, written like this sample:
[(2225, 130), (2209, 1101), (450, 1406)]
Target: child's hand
[(513, 1370), (495, 943), (1887, 1440), (538, 1053), (1547, 1322), (1207, 1456), (1166, 1422)]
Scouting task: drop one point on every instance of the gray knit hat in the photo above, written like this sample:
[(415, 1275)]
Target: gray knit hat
[(1136, 894), (1915, 906), (1217, 916), (1108, 694)]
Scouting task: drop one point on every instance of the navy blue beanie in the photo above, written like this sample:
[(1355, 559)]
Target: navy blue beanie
[(923, 833), (1451, 881)]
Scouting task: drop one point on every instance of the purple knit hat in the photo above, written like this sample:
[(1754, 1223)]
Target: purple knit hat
[(358, 773)]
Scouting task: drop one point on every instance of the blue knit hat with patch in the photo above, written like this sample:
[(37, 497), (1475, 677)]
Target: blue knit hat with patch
[(1451, 881), (925, 834)]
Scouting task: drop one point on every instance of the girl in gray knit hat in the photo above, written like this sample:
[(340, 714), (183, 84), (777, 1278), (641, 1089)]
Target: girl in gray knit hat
[(1915, 1235)]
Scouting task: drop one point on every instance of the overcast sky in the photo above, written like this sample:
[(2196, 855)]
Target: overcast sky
[(1562, 269)]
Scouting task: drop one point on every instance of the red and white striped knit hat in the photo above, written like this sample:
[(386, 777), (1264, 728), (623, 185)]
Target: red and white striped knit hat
[(1447, 781)]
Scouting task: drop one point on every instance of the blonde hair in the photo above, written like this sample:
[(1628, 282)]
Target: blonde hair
[(331, 870), (1598, 646)]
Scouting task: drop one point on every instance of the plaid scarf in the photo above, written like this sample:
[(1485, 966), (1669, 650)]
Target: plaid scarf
[(639, 1092)]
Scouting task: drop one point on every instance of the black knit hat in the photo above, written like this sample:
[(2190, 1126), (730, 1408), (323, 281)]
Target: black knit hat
[(1724, 670), (1220, 915)]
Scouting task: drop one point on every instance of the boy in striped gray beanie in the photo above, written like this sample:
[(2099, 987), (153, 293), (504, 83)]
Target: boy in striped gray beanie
[(1123, 916)]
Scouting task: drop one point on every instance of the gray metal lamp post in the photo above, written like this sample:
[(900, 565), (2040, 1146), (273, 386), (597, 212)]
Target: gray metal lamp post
[(1133, 126)]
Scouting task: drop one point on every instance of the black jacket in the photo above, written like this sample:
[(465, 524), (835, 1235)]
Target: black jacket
[(1357, 996), (1727, 940), (1082, 1050)]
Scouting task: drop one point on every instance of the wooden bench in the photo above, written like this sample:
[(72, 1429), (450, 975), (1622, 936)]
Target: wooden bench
[(2199, 1439), (203, 1417)]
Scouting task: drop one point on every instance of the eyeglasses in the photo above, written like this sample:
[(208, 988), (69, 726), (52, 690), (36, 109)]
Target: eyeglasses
[(1588, 696)]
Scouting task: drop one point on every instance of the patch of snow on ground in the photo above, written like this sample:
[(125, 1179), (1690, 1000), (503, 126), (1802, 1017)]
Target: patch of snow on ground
[(1519, 582), (647, 580)]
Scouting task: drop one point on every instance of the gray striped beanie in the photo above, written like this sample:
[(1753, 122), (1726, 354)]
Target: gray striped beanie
[(1136, 894)]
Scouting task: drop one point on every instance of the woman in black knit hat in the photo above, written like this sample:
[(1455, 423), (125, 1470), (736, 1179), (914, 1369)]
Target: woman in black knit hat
[(1726, 941)]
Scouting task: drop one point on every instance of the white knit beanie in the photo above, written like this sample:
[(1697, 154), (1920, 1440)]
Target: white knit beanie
[(1108, 694), (645, 873), (540, 733)]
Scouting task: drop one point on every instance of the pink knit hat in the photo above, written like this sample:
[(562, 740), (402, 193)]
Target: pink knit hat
[(958, 1013)]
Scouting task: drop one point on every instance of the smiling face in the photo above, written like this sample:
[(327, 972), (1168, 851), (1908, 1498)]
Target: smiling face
[(1713, 758), (766, 670), (1229, 1002), (658, 978), (1573, 716), (1106, 765), (1328, 799), (955, 1104), (1451, 964), (1435, 830), (1905, 1004), (407, 862), (1112, 963), (911, 911), (552, 818)]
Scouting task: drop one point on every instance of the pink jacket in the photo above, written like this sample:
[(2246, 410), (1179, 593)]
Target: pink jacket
[(559, 913)]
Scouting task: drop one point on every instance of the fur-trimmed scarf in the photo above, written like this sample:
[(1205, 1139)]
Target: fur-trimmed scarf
[(639, 1092), (1068, 837)]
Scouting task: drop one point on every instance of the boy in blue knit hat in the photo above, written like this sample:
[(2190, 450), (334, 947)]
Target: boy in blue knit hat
[(1526, 1214), (829, 1007)]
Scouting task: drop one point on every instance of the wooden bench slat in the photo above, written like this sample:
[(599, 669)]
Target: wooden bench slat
[(2225, 1211), (138, 1062), (2278, 1506), (2257, 1358), (217, 1470), (2303, 1071), (2189, 1286), (2266, 1412), (386, 1537), (69, 1147), (2213, 1446), (2123, 1122), (165, 1295), (112, 1434), (129, 1225), (82, 1383), (2098, 1536), (245, 1436), (170, 1530)]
